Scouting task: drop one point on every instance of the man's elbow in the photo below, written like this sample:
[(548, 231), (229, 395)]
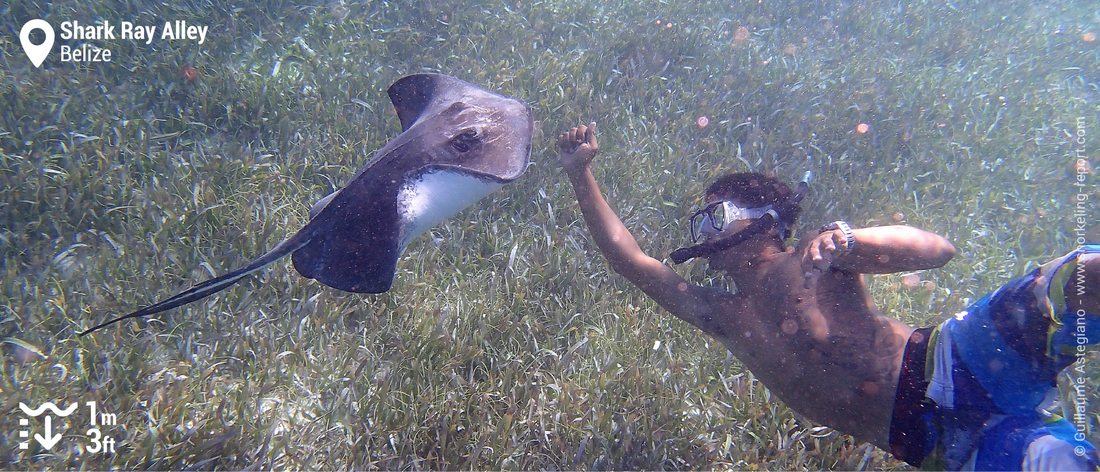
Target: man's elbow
[(929, 251), (942, 253), (617, 262), (636, 269)]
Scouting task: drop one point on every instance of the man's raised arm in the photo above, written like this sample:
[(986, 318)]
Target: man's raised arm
[(577, 147)]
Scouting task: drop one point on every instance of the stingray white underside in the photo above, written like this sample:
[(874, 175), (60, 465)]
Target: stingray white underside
[(430, 199), (436, 196)]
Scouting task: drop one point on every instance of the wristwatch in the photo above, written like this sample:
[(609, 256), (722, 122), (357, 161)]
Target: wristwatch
[(846, 230)]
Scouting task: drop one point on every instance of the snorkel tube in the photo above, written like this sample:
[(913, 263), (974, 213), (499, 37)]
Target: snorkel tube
[(783, 211)]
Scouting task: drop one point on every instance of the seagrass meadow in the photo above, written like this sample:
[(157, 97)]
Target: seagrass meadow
[(506, 341)]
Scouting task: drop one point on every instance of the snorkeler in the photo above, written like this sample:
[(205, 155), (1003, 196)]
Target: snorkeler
[(967, 394)]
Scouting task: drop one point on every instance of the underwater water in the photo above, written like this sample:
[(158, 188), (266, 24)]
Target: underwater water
[(506, 342)]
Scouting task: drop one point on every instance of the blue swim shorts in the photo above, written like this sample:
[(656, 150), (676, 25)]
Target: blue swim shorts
[(975, 391)]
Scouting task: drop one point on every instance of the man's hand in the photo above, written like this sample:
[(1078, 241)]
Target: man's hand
[(577, 147), (821, 252)]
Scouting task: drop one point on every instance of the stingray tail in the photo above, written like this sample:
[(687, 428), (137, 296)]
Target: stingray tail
[(215, 284)]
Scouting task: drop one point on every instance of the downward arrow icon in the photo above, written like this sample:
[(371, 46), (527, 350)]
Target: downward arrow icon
[(50, 440)]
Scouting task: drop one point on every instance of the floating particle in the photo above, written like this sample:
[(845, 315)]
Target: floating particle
[(740, 35), (658, 22), (1088, 37), (910, 281), (869, 388), (1082, 166), (863, 128), (996, 365), (789, 326), (898, 217), (189, 73), (702, 122)]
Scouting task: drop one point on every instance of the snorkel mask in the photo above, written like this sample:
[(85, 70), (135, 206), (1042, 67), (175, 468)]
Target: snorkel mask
[(715, 216)]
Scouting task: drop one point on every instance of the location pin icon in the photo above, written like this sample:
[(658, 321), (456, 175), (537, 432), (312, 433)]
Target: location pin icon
[(36, 53)]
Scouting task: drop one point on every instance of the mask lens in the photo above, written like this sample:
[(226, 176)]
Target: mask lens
[(734, 213), (714, 217), (710, 220)]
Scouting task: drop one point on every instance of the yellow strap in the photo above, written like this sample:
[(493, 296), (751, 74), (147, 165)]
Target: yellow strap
[(930, 353), (1054, 303), (1057, 286)]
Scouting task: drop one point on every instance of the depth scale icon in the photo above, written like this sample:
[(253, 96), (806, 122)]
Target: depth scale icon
[(49, 439)]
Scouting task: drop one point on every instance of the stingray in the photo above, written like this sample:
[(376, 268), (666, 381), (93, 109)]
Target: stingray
[(458, 143)]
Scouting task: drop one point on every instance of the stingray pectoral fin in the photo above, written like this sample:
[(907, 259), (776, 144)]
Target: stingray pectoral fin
[(215, 284), (320, 205), (356, 245), (358, 250)]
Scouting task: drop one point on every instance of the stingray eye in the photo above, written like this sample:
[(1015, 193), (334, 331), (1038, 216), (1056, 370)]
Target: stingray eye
[(465, 141)]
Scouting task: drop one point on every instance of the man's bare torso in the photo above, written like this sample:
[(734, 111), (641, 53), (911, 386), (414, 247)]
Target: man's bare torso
[(824, 350)]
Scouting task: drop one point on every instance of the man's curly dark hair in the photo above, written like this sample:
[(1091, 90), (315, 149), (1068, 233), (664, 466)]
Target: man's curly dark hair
[(754, 190)]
